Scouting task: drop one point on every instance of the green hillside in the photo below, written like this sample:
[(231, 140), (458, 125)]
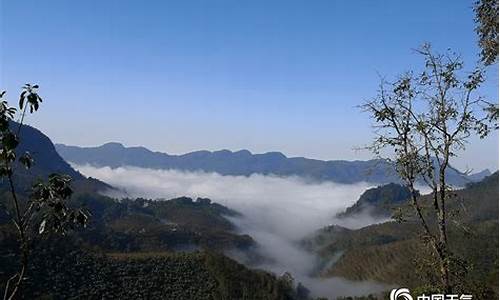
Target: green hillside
[(62, 269), (172, 249), (378, 201), (147, 225), (394, 253), (130, 249)]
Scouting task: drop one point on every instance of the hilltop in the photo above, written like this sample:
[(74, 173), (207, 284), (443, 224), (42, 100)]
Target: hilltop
[(378, 201), (46, 161)]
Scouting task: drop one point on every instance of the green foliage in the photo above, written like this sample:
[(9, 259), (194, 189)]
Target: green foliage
[(379, 201), (425, 120), (47, 208), (65, 269), (396, 253), (487, 29), (237, 282), (51, 199), (31, 97), (149, 225)]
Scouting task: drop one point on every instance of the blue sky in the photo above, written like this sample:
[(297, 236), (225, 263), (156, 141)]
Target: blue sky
[(178, 76)]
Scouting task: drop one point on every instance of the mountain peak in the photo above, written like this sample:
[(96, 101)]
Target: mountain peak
[(480, 175), (379, 200), (113, 145), (275, 154), (243, 152)]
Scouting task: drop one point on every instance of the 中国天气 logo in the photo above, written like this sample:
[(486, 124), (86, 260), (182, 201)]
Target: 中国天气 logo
[(401, 294)]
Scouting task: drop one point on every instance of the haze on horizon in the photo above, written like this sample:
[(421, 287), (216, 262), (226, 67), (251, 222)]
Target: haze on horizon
[(178, 77)]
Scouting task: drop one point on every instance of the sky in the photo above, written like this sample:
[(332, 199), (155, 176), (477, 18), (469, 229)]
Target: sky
[(180, 76)]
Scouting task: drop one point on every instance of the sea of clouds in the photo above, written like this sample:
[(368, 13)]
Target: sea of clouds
[(277, 212)]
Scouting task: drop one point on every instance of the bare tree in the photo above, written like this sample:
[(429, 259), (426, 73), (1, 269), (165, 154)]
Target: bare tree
[(425, 120), (45, 210)]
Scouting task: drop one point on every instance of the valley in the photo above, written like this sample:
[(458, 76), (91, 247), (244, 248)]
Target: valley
[(272, 237), (249, 150)]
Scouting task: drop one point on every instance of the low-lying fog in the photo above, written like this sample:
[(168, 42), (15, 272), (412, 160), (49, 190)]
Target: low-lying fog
[(277, 211)]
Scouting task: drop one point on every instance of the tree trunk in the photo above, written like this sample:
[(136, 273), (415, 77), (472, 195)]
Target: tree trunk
[(444, 255)]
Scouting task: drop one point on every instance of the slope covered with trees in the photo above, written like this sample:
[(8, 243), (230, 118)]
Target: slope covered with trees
[(396, 254), (378, 201), (67, 269), (129, 249)]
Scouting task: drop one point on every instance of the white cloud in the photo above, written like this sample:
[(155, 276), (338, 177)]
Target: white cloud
[(277, 211)]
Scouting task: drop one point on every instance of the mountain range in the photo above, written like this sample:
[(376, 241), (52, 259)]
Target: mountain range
[(245, 163), (140, 239), (132, 248)]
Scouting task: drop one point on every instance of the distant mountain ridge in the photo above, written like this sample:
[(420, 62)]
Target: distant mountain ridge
[(243, 163)]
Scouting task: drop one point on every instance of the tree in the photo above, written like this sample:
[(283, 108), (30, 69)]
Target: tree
[(46, 210), (487, 29), (425, 120)]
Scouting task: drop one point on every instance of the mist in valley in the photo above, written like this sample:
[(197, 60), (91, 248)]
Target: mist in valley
[(277, 212)]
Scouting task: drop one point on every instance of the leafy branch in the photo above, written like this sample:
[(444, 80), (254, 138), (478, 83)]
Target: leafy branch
[(424, 121), (46, 210)]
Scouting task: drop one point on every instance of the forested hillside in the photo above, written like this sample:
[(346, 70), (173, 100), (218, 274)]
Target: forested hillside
[(395, 253), (378, 201), (130, 249), (67, 269)]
